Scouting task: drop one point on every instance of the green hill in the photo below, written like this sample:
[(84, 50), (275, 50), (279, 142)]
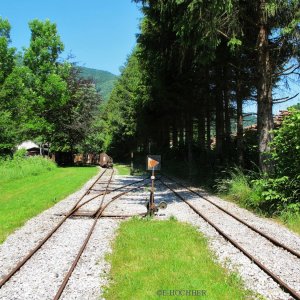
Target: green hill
[(104, 80), (250, 120)]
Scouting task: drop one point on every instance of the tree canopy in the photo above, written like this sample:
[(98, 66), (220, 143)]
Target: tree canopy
[(41, 97), (195, 66)]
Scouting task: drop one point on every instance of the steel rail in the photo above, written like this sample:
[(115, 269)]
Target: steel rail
[(122, 216), (88, 190), (282, 284), (119, 188), (106, 189), (39, 245), (47, 237), (75, 262), (114, 190), (22, 262), (271, 239)]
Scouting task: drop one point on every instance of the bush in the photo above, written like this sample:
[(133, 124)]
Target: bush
[(281, 191), (276, 193), (285, 147), (20, 154), (238, 187), (21, 166)]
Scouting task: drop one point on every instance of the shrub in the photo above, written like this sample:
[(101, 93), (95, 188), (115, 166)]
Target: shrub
[(286, 146), (21, 166), (281, 191), (276, 193), (20, 154), (238, 186)]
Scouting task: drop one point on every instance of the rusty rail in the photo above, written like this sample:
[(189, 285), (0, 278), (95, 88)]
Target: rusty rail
[(39, 245), (97, 216), (74, 264), (282, 284), (89, 189), (271, 239), (116, 189), (22, 262)]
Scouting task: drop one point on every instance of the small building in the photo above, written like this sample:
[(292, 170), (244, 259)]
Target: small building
[(33, 148)]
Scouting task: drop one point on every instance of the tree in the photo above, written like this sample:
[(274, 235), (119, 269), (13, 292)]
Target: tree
[(182, 45), (285, 148), (7, 133), (75, 118), (41, 98), (181, 39), (7, 62), (123, 112), (18, 95), (7, 54), (44, 50), (277, 28), (49, 86), (280, 191)]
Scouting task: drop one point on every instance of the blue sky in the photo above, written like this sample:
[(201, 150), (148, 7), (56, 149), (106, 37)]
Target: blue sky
[(282, 91), (99, 33)]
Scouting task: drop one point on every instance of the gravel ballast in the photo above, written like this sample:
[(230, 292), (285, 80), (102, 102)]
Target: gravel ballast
[(41, 276), (282, 263)]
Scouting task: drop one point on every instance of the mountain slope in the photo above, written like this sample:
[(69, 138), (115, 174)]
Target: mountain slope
[(104, 80)]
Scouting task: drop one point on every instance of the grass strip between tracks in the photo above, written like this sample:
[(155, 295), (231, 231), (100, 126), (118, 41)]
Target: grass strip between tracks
[(167, 260), (122, 169), (26, 197)]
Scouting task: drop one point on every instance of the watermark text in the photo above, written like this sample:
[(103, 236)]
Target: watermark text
[(182, 293)]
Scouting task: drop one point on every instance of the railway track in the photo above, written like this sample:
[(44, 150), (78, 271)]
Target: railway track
[(286, 287), (85, 199), (100, 201)]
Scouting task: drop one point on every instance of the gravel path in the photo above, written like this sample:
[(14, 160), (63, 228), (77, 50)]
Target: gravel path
[(117, 182), (42, 275), (18, 244), (285, 265)]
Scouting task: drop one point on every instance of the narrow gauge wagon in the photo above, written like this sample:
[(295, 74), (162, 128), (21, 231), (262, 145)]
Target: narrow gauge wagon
[(105, 161)]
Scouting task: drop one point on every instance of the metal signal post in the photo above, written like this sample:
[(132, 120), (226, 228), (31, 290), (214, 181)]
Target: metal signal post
[(152, 207), (153, 163)]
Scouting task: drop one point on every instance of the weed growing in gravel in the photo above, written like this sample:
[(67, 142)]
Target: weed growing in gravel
[(173, 218), (237, 186), (292, 220)]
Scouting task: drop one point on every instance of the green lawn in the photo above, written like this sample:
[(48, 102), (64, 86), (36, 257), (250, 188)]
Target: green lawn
[(122, 169), (26, 197), (153, 259)]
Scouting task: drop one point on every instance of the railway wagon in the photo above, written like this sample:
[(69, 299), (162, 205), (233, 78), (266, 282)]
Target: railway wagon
[(105, 161), (86, 159)]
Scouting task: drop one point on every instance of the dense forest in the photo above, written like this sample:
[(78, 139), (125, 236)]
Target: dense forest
[(183, 91), (182, 94), (194, 67)]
